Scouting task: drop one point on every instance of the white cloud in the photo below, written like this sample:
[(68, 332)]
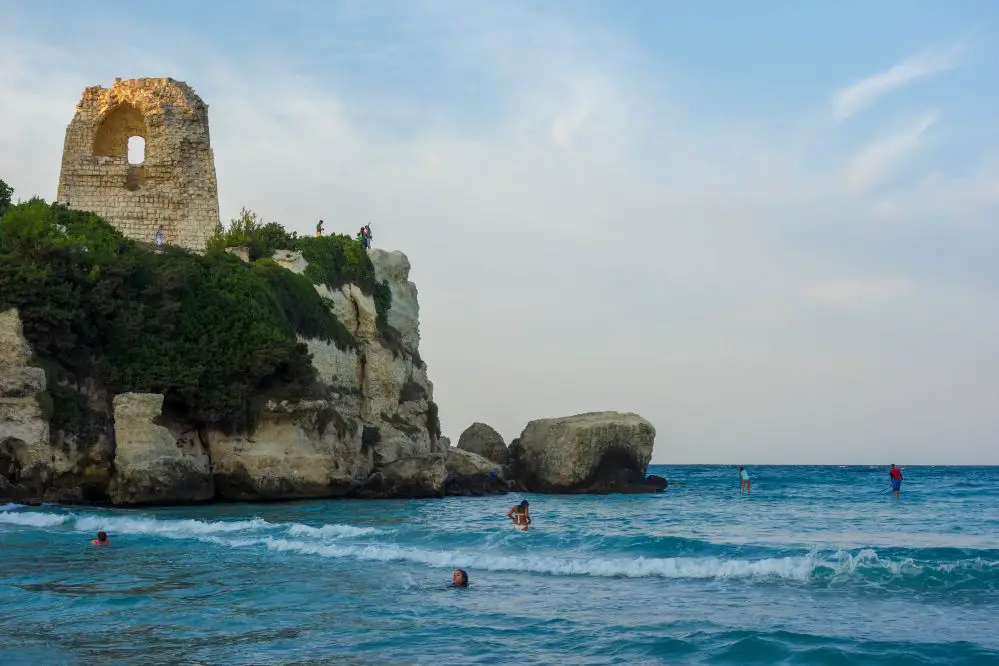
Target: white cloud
[(874, 163), (852, 99)]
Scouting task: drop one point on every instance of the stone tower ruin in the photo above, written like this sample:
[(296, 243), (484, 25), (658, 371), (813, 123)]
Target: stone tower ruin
[(173, 186)]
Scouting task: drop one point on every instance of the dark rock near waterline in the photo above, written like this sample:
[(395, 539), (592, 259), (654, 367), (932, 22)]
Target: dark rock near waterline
[(414, 477), (472, 474)]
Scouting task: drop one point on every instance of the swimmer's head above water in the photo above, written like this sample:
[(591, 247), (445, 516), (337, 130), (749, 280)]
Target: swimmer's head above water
[(102, 539), (460, 578)]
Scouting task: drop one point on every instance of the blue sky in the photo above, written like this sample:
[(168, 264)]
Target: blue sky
[(769, 227)]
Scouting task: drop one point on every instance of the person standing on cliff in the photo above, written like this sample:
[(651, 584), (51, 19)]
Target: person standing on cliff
[(367, 235), (319, 229), (159, 237)]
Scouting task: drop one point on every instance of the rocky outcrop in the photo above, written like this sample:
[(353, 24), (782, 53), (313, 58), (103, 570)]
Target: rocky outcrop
[(14, 349), (415, 477), (382, 383), (374, 433), (588, 453), (39, 462), (24, 425), (471, 474), (483, 440), (154, 465), (298, 450)]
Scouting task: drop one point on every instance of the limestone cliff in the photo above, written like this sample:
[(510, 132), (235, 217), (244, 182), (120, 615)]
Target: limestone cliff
[(375, 410), (153, 463), (36, 461)]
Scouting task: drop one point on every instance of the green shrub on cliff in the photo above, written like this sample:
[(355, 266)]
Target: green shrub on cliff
[(211, 332), (306, 311), (334, 260), (249, 231), (6, 195)]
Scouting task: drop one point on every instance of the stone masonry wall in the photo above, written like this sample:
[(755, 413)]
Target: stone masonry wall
[(175, 185)]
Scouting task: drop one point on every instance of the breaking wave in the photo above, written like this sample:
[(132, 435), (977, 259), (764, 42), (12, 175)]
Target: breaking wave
[(804, 568), (180, 528), (33, 518)]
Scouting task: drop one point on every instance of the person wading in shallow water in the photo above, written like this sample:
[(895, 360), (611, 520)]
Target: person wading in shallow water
[(101, 540), (460, 578), (520, 515), (895, 476), (743, 480)]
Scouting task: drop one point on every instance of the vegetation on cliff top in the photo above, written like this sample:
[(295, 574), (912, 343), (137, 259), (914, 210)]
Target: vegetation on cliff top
[(212, 333), (6, 192), (334, 260)]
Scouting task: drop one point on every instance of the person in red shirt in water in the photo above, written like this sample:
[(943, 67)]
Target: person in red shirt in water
[(895, 475), (101, 540)]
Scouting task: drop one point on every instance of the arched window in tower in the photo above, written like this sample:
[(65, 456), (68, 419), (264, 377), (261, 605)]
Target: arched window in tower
[(117, 127)]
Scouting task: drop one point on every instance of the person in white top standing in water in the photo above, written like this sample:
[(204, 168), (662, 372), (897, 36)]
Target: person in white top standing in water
[(744, 480)]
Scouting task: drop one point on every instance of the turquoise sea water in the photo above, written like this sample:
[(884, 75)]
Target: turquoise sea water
[(817, 566)]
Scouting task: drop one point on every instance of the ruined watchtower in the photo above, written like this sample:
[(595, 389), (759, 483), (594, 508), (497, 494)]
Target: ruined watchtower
[(173, 185)]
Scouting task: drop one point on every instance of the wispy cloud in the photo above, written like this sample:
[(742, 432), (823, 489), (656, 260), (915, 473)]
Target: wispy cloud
[(853, 293), (852, 99), (876, 161)]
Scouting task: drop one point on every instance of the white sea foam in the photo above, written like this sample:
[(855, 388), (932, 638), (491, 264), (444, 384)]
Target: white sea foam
[(798, 568), (34, 518), (330, 531), (180, 528)]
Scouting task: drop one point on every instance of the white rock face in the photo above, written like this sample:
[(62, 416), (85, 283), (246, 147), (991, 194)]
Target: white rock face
[(291, 260), (376, 384), (25, 451), (404, 316), (153, 464), (298, 450), (14, 349), (595, 452)]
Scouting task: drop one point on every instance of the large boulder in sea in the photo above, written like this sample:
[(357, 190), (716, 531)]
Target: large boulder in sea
[(597, 452), (154, 465), (483, 440)]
